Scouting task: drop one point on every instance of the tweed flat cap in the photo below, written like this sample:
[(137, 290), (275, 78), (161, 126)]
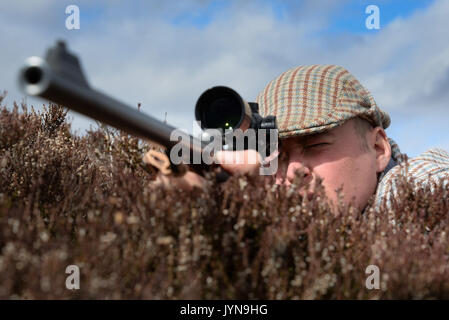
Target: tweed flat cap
[(315, 98)]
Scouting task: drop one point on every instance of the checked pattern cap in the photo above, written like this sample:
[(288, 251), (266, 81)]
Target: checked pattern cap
[(315, 98)]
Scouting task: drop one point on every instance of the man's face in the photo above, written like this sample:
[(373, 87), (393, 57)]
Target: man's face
[(337, 157)]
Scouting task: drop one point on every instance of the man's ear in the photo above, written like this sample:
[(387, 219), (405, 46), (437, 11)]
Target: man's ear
[(382, 148)]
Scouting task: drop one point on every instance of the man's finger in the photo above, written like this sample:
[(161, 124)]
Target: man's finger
[(186, 182), (243, 161)]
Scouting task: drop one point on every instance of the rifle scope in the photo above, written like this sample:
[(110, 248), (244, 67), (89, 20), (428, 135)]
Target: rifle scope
[(223, 108)]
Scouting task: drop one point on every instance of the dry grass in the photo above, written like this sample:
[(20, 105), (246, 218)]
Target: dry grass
[(67, 200)]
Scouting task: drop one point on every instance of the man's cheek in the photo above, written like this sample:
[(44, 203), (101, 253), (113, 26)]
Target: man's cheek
[(331, 184)]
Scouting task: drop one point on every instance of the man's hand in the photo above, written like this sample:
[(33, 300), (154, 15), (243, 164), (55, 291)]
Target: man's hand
[(243, 162)]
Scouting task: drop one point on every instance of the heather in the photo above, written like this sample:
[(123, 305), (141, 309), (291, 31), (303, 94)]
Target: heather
[(67, 199)]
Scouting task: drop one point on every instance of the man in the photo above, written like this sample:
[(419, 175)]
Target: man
[(331, 127)]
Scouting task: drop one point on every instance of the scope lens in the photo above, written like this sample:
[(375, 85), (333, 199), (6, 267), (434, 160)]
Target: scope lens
[(223, 112)]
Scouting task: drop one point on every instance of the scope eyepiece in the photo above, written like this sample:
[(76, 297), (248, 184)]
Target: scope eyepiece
[(222, 108)]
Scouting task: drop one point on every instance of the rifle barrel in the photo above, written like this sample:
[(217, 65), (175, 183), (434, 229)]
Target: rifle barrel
[(59, 78)]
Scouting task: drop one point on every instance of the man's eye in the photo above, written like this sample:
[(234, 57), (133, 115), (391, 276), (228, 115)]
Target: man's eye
[(317, 145)]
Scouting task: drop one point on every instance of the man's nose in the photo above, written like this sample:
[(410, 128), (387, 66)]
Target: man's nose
[(297, 168)]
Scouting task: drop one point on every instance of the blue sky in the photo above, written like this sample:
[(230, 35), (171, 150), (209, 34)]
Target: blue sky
[(164, 54), (345, 18), (200, 18), (348, 19)]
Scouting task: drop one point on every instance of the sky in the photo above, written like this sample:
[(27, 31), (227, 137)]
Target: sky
[(164, 54)]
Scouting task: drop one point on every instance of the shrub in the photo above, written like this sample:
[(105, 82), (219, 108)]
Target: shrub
[(86, 200)]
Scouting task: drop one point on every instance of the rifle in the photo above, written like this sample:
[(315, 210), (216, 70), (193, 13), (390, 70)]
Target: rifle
[(59, 78)]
